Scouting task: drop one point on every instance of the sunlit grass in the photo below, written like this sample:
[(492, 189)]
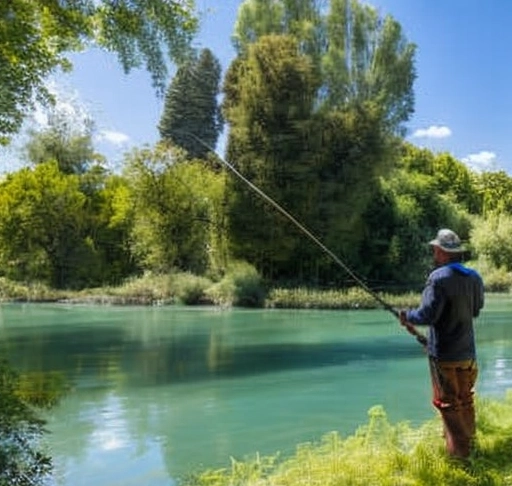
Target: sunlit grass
[(382, 454), (352, 298)]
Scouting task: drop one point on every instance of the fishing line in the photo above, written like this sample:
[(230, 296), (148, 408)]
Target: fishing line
[(413, 331)]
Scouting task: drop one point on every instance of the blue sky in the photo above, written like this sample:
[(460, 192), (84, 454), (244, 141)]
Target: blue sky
[(463, 97)]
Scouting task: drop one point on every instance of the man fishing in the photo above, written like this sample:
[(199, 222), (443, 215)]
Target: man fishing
[(452, 297)]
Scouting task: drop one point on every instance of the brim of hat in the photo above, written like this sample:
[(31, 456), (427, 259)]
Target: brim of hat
[(460, 249)]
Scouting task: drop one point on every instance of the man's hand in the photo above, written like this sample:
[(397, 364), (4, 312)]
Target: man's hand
[(402, 316)]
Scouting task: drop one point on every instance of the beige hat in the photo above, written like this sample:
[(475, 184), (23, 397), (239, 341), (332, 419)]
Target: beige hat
[(448, 241)]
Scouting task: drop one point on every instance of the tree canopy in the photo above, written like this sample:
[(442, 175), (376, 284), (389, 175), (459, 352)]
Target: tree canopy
[(359, 55), (36, 36)]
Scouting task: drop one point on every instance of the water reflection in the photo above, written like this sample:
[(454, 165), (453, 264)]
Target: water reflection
[(22, 427), (113, 356)]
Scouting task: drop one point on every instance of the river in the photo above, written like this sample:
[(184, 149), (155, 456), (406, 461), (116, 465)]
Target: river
[(156, 392)]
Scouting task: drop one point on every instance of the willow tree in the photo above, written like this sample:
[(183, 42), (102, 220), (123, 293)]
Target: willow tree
[(359, 95), (36, 36)]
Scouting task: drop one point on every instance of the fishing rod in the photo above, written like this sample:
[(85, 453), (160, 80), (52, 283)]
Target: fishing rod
[(410, 328)]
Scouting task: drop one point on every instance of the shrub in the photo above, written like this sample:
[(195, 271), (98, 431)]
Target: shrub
[(35, 292), (352, 298), (241, 286), (190, 289)]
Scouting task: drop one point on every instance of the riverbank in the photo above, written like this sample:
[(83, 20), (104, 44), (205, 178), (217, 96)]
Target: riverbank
[(186, 289), (244, 290), (383, 454)]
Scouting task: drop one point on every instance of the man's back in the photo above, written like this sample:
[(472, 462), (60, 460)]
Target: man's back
[(452, 297)]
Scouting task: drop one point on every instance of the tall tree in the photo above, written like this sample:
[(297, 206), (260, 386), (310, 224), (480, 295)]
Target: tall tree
[(191, 110), (67, 140), (368, 58), (332, 136), (269, 99), (36, 35), (299, 18)]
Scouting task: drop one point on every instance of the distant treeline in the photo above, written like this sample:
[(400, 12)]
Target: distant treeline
[(166, 214), (315, 105)]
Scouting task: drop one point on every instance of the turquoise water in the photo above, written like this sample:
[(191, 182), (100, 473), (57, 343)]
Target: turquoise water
[(157, 392)]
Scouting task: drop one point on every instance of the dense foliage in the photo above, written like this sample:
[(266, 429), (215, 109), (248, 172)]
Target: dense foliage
[(316, 101)]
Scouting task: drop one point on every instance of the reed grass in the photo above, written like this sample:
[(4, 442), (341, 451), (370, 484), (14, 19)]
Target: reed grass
[(352, 298)]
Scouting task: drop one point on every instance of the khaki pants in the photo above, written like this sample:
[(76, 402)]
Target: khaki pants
[(453, 385)]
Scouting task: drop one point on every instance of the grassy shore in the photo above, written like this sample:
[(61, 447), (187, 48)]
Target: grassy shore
[(187, 289), (382, 454)]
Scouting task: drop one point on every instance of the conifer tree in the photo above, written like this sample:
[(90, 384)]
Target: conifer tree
[(191, 118)]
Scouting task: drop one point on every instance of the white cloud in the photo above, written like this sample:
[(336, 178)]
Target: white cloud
[(434, 131), (68, 105), (483, 160), (113, 137)]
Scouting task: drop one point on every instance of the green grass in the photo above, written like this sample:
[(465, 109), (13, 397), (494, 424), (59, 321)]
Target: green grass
[(352, 298), (382, 454)]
